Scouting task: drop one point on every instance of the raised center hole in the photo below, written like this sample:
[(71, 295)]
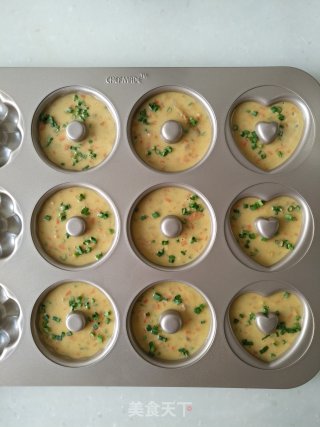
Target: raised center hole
[(171, 131), (76, 321), (76, 131), (171, 226), (170, 321), (76, 226)]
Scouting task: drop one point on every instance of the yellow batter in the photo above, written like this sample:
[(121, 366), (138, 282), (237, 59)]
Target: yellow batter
[(99, 140), (197, 131), (193, 309), (100, 226), (266, 347), (80, 297), (266, 252), (146, 226), (290, 129)]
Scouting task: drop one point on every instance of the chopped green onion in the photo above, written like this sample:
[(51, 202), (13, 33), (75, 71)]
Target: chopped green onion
[(143, 117), (171, 259), (252, 316), (177, 299), (47, 119), (199, 309), (289, 217), (264, 349), (184, 351), (152, 348), (257, 205), (49, 141), (277, 209), (193, 121), (85, 211), (245, 342), (154, 106), (159, 297), (265, 310), (103, 215), (160, 253)]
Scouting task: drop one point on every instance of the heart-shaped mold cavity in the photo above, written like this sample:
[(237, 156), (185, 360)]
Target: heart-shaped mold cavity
[(267, 326), (269, 225), (267, 231), (267, 135), (269, 128)]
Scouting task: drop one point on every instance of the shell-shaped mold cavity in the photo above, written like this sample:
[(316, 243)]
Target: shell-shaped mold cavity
[(10, 225), (10, 323), (270, 129), (11, 130)]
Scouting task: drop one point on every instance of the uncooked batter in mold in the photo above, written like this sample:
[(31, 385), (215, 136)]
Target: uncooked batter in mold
[(99, 220), (146, 226), (290, 129), (80, 297), (266, 251), (99, 139), (146, 131), (267, 347), (191, 306)]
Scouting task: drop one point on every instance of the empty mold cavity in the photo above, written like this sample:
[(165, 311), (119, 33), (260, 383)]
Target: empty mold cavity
[(11, 132), (10, 225), (10, 323)]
